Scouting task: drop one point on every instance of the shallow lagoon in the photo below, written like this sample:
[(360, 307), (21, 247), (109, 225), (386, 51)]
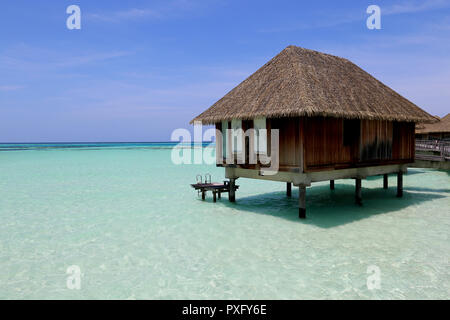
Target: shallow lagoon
[(127, 216)]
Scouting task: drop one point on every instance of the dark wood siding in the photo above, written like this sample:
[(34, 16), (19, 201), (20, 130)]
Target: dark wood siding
[(404, 143), (376, 140), (324, 145), (289, 145), (319, 143)]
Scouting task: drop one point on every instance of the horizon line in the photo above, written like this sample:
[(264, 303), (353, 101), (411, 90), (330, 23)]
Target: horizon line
[(89, 142)]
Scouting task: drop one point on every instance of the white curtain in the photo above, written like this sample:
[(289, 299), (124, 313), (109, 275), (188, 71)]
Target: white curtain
[(237, 134), (260, 146)]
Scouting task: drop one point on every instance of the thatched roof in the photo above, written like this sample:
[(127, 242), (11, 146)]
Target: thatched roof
[(442, 126), (302, 82)]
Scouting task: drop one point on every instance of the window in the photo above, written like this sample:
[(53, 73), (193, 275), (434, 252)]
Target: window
[(351, 128), (259, 124)]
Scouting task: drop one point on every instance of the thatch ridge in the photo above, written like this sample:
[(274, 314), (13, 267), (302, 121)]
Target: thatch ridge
[(442, 126), (303, 82)]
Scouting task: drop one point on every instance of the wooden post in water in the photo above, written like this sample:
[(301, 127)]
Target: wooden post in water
[(385, 181), (231, 194), (400, 184), (331, 184), (203, 194), (302, 202), (214, 196), (289, 189), (358, 197)]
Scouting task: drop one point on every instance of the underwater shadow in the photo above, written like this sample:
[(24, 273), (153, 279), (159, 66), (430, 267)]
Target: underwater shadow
[(394, 175), (327, 208), (438, 190)]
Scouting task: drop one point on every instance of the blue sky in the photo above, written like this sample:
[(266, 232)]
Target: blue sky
[(139, 69)]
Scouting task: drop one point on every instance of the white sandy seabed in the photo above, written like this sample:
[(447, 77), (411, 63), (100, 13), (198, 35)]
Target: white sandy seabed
[(128, 218)]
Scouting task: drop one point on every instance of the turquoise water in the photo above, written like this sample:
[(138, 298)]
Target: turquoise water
[(127, 217)]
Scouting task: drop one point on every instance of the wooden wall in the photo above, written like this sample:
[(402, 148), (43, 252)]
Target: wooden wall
[(289, 142), (376, 140), (319, 143), (404, 142), (324, 143)]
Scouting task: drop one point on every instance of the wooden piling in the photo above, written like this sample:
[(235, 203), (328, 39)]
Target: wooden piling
[(231, 193), (385, 181), (358, 197), (331, 184), (289, 189), (214, 196), (302, 202), (400, 184), (203, 194)]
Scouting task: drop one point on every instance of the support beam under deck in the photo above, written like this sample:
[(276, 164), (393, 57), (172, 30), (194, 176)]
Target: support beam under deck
[(231, 194), (302, 202), (385, 181), (358, 197), (400, 184)]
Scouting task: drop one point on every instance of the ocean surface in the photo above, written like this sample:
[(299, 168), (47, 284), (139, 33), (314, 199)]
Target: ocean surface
[(127, 217)]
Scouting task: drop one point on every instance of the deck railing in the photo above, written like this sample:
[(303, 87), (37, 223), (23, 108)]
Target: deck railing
[(435, 150)]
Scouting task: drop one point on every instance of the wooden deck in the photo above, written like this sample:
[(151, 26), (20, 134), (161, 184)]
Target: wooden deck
[(433, 150), (432, 154), (216, 188)]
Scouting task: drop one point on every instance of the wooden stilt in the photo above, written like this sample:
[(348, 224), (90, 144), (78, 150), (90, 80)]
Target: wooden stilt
[(400, 184), (214, 196), (203, 195), (289, 189), (302, 202), (332, 184), (385, 181), (231, 194), (358, 197), (219, 194)]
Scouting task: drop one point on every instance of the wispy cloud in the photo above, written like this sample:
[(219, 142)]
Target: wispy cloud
[(415, 6), (10, 88), (90, 58), (443, 25), (129, 14), (24, 57), (334, 20), (165, 10), (319, 23)]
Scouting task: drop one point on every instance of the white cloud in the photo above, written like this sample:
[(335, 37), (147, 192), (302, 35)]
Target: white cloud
[(129, 14), (90, 58), (10, 88), (443, 25), (317, 24), (28, 58), (165, 10), (334, 20), (412, 7)]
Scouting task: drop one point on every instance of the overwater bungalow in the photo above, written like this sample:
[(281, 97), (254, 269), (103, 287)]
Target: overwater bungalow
[(308, 116), (433, 144), (434, 131)]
